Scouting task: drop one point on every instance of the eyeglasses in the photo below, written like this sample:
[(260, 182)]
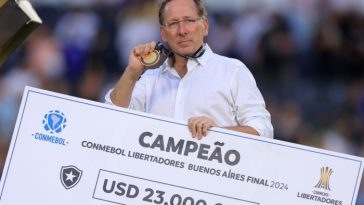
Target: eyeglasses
[(188, 22)]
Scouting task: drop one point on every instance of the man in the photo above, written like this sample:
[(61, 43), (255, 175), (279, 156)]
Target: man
[(194, 84)]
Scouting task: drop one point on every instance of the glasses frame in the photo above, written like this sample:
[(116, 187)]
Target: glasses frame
[(173, 25)]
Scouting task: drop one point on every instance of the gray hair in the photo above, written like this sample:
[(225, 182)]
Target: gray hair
[(201, 9)]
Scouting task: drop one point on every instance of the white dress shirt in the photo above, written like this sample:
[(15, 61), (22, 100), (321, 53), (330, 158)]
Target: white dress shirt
[(214, 86)]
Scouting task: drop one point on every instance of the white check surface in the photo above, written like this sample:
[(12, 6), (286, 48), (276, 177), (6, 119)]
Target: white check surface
[(67, 150)]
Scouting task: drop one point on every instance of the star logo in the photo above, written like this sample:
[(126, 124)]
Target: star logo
[(70, 176)]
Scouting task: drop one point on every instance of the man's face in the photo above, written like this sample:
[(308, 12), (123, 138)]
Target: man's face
[(183, 29)]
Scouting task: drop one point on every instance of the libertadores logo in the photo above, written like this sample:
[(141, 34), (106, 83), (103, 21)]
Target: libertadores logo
[(54, 121), (322, 192), (324, 182)]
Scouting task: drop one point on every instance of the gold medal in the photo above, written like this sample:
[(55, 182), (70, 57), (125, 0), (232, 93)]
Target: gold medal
[(151, 59)]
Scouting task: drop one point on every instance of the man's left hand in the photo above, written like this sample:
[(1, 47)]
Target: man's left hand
[(199, 125)]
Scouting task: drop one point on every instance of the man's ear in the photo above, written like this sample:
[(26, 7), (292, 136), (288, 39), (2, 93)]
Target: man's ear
[(205, 24)]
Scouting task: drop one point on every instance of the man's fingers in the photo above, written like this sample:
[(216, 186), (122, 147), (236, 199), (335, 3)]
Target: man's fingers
[(147, 49), (144, 49), (192, 127), (204, 130), (199, 126)]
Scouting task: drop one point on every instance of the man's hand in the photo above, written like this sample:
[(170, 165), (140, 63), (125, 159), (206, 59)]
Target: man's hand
[(198, 126), (137, 53)]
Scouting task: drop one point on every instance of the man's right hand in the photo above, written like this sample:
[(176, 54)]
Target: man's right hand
[(135, 67)]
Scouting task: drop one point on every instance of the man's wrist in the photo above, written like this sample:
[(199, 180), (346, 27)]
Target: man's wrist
[(131, 74)]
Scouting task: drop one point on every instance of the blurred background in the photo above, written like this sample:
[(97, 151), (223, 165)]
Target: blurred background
[(307, 57)]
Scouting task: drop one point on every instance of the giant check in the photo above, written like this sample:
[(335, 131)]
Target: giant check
[(67, 150)]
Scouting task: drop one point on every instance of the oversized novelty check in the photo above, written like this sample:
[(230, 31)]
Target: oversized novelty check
[(67, 150)]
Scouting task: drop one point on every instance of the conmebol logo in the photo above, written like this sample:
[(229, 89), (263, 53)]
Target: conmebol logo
[(54, 121)]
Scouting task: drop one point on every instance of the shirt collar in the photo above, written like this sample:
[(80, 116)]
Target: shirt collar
[(205, 57), (200, 61)]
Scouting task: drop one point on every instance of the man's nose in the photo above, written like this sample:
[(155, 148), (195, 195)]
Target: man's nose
[(182, 28)]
